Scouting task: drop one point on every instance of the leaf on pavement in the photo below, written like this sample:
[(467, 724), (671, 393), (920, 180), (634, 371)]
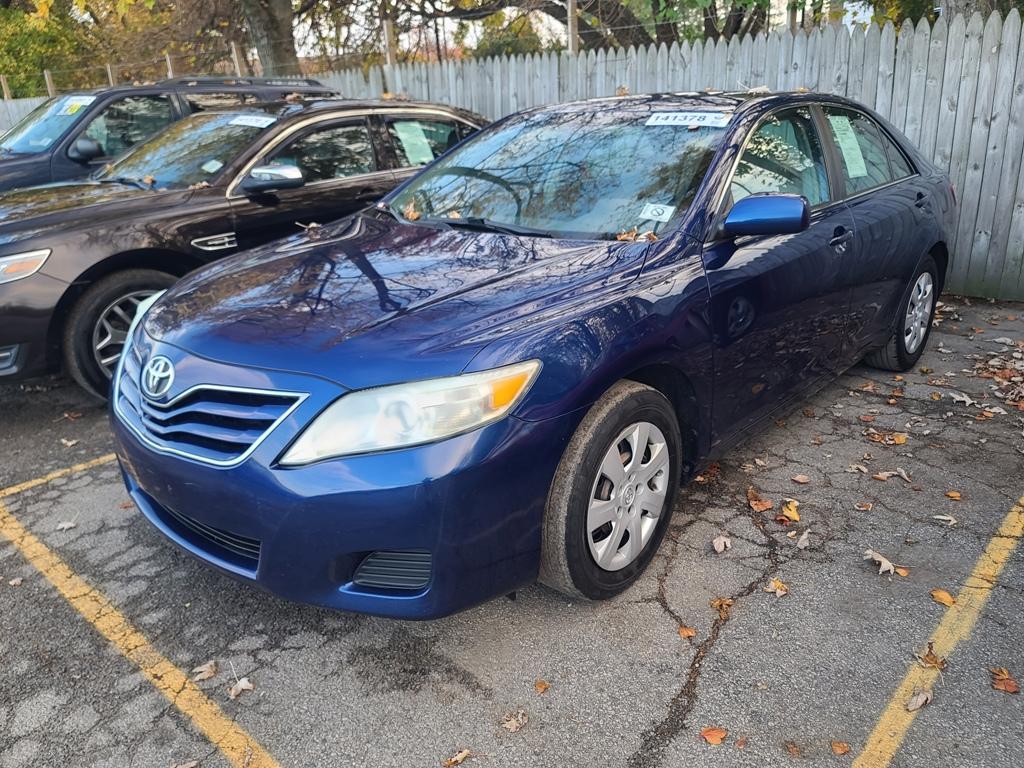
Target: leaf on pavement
[(804, 541), (541, 686), (686, 632), (857, 468), (721, 543), (1002, 680), (947, 519), (942, 597), (242, 685), (840, 747), (204, 671), (756, 502), (713, 735), (514, 721), (188, 764), (778, 587), (793, 749), (884, 564), (954, 495), (800, 479), (17, 581), (66, 525), (919, 699), (931, 660), (863, 506), (723, 605), (789, 512), (902, 570), (457, 759), (741, 742), (68, 443)]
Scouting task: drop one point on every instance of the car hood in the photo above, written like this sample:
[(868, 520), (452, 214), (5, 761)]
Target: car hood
[(370, 301)]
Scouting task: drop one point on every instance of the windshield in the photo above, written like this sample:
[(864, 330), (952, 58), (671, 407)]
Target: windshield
[(604, 174), (189, 152), (45, 124)]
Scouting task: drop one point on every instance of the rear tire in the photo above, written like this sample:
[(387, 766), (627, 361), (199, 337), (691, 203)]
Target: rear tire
[(581, 556), (913, 322), (93, 334)]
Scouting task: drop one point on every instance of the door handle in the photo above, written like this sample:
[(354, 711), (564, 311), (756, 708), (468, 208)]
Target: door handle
[(921, 200), (840, 237)]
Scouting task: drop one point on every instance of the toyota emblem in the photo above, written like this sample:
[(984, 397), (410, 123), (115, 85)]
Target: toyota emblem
[(157, 377)]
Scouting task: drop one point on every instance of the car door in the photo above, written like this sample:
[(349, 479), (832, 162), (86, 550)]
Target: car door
[(778, 303), (888, 200), (117, 126), (415, 139), (342, 173)]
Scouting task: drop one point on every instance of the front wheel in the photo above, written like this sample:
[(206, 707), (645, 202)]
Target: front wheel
[(914, 322), (613, 493), (97, 327)]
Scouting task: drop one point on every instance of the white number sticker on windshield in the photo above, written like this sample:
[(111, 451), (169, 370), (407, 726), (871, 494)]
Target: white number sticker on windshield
[(657, 212), (691, 119), (254, 121)]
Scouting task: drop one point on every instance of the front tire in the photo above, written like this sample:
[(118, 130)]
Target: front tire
[(613, 494), (914, 322), (98, 325)]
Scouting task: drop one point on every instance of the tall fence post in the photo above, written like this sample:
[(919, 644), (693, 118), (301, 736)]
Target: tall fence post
[(389, 35), (110, 75), (236, 59), (50, 90), (574, 39), (170, 65), (6, 87)]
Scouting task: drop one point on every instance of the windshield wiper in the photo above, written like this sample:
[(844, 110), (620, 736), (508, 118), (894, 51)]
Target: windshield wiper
[(126, 180), (486, 225)]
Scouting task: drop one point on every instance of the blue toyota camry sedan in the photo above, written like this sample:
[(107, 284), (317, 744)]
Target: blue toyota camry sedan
[(504, 370)]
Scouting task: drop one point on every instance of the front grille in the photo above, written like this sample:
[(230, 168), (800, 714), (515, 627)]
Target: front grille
[(215, 424), (394, 569), (235, 548)]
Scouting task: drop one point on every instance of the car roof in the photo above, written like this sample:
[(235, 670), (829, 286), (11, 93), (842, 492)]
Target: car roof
[(205, 83), (732, 101), (306, 107)]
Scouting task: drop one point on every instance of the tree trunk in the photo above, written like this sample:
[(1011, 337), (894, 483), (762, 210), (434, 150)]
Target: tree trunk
[(270, 26)]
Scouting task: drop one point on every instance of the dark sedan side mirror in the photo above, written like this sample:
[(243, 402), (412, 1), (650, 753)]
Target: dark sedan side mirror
[(767, 214), (84, 150), (272, 178)]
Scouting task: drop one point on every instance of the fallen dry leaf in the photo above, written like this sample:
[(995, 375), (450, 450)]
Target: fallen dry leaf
[(778, 587), (686, 632), (66, 525), (919, 699), (942, 597), (867, 418), (884, 564), (514, 721), (242, 685), (713, 735), (1002, 680), (741, 742), (204, 671), (800, 479), (721, 543), (410, 211), (793, 749), (723, 606), (17, 581), (954, 495), (863, 506), (541, 686), (902, 571), (947, 519), (457, 759), (756, 502), (930, 660), (840, 747), (627, 235), (789, 512), (68, 443), (804, 541), (189, 764)]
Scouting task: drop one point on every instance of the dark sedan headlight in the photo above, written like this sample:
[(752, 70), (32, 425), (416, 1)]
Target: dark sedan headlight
[(22, 264)]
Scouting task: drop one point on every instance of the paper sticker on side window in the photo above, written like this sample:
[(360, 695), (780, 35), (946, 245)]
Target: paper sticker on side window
[(691, 119), (846, 138), (254, 121)]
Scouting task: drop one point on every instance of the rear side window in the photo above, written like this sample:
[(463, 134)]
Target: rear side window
[(129, 121), (418, 142), (200, 102), (865, 151)]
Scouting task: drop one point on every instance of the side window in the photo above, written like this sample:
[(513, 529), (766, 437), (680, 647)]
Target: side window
[(332, 152), (862, 149), (901, 167), (128, 121), (200, 102), (418, 142), (783, 155)]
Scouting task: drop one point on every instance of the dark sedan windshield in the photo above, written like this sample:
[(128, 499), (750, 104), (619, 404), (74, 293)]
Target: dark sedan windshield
[(590, 175), (189, 152), (45, 124)]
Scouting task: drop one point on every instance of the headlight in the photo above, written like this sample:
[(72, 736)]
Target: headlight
[(21, 265), (404, 415)]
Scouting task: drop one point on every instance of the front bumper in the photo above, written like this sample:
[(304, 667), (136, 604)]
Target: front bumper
[(27, 308), (473, 502)]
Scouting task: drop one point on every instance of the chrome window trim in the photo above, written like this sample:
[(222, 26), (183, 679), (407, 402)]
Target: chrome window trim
[(316, 120), (300, 398)]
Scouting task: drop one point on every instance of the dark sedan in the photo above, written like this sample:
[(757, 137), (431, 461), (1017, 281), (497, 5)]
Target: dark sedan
[(74, 134), (77, 258), (504, 370)]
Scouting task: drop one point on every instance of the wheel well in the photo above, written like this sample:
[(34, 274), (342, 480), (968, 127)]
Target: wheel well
[(171, 262), (940, 253), (674, 384)]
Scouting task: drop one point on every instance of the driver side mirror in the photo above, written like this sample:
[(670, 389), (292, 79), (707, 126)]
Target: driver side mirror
[(272, 178), (85, 150), (767, 214)]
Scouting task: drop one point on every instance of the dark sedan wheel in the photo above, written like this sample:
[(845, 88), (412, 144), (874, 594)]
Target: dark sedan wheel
[(612, 495), (913, 322), (98, 325)]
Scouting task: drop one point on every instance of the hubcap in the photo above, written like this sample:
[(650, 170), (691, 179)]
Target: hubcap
[(627, 496), (919, 313), (111, 330)]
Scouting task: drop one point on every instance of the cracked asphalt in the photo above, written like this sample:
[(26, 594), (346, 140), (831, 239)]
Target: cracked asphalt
[(785, 676)]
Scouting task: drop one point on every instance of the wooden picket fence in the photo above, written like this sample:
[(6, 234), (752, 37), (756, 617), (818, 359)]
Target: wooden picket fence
[(956, 89)]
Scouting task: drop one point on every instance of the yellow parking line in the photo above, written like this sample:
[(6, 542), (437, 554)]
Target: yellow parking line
[(955, 626), (241, 749), (5, 492)]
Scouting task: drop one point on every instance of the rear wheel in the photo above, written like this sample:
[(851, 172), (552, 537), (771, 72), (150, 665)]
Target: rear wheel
[(914, 325), (613, 493), (97, 327)]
